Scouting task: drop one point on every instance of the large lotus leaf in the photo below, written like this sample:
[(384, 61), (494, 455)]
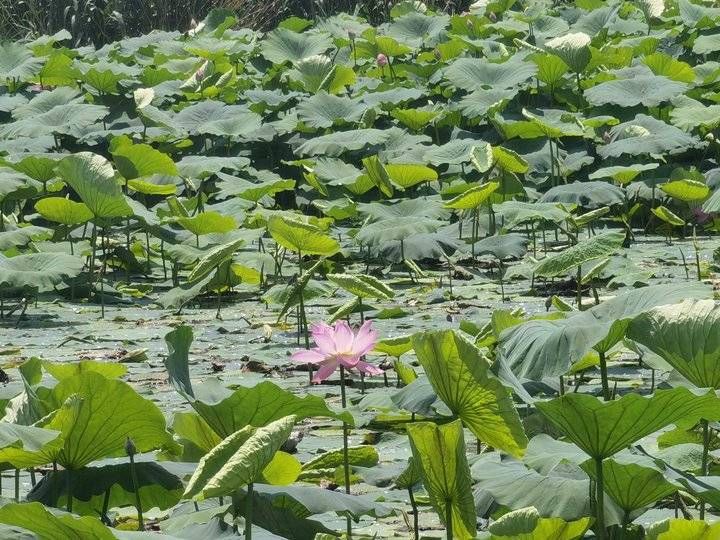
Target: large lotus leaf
[(283, 45), (407, 175), (62, 210), (53, 526), (204, 166), (439, 452), (688, 114), (40, 167), (22, 236), (461, 377), (572, 48), (515, 213), (473, 197), (305, 501), (502, 246), (623, 174), (18, 62), (707, 44), (553, 123), (527, 524), (323, 110), (208, 223), (238, 460), (435, 245), (362, 285), (603, 428), (667, 66), (158, 488), (375, 172), (41, 271), (648, 90), (646, 135), (92, 177), (415, 119), (687, 336), (484, 102), (141, 160), (547, 348), (320, 73), (416, 27), (215, 118), (15, 185), (45, 101), (596, 247), (472, 73), (514, 485), (214, 258), (455, 152), (397, 229), (686, 190), (64, 370), (586, 194), (64, 120), (96, 415), (685, 529), (24, 446), (334, 144), (227, 411), (301, 237), (426, 207), (633, 482)]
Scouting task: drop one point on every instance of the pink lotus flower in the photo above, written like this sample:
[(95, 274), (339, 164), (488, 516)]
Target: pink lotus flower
[(381, 60), (336, 346)]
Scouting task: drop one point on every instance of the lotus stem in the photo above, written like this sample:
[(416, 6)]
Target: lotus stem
[(249, 511), (705, 453), (17, 485), (604, 376), (106, 504), (448, 520), (579, 288), (131, 450), (416, 517), (346, 459), (68, 475), (599, 499)]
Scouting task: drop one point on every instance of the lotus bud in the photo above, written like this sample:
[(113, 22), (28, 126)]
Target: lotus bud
[(709, 137), (200, 74), (607, 138), (130, 449), (492, 17), (193, 24), (352, 35), (381, 60), (469, 23)]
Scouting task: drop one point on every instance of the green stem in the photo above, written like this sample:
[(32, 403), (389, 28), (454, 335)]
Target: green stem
[(68, 474), (448, 520), (249, 512), (705, 453), (136, 489), (599, 499), (579, 288), (413, 504), (17, 485), (346, 459), (604, 376)]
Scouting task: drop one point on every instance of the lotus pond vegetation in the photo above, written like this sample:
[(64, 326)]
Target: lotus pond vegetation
[(450, 275)]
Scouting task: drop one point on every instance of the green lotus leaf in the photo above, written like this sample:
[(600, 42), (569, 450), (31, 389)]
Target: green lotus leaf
[(415, 119), (706, 44), (686, 190), (551, 68), (603, 428), (633, 482), (553, 123), (16, 185), (646, 135), (215, 118), (473, 197), (27, 446), (204, 166), (623, 174), (547, 348), (155, 185), (597, 247), (62, 210), (668, 216), (527, 524), (689, 114), (301, 237), (41, 271), (323, 110), (334, 144), (586, 194), (141, 160), (407, 175), (95, 416), (238, 460), (362, 285), (283, 45), (649, 90), (92, 177), (461, 377), (396, 346), (472, 73), (40, 167), (398, 229), (214, 258), (46, 101), (687, 529), (518, 212), (53, 526), (208, 223), (377, 174), (360, 456), (509, 161), (65, 370), (667, 66), (21, 236), (63, 120), (439, 452), (18, 62), (573, 49), (158, 487)]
